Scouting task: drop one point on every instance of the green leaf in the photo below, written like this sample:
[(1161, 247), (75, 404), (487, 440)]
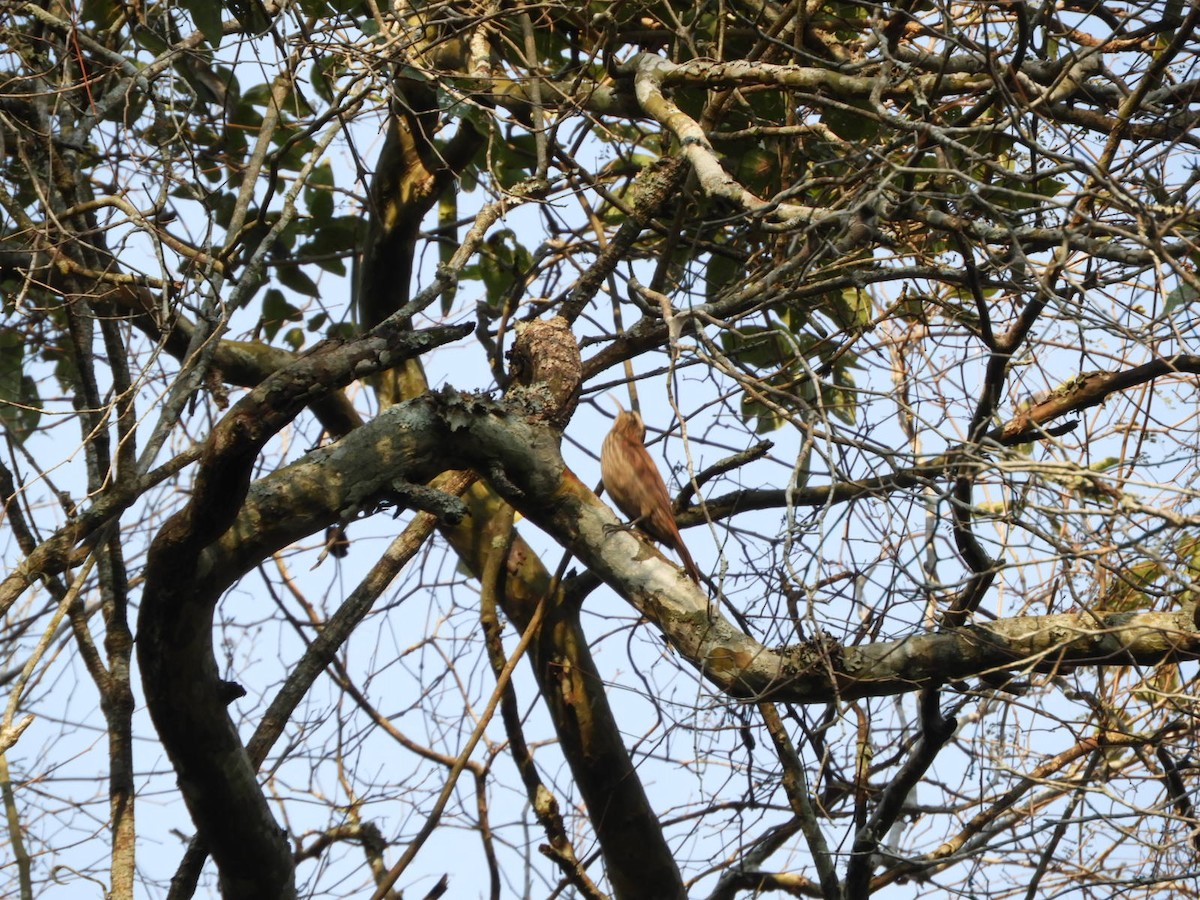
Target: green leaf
[(251, 15), (258, 95), (294, 277), (1184, 295), (720, 272), (550, 46), (334, 265), (103, 13), (850, 308), (207, 16), (221, 205), (513, 159), (468, 179), (332, 240), (149, 39), (276, 311), (840, 398), (767, 419), (318, 193), (503, 260), (850, 125), (291, 103), (295, 153), (324, 77), (20, 404), (755, 345), (754, 167), (1050, 187)]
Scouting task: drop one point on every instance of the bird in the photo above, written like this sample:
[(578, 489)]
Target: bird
[(635, 485)]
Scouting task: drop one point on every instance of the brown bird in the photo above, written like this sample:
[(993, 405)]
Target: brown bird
[(632, 480)]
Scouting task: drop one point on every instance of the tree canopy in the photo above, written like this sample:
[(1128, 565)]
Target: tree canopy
[(313, 313)]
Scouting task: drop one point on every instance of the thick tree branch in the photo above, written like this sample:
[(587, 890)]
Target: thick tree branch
[(413, 439), (179, 672)]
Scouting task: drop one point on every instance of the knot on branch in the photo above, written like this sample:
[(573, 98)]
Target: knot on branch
[(546, 371)]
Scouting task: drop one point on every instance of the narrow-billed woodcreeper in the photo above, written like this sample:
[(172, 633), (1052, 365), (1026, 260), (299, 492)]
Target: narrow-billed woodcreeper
[(633, 482)]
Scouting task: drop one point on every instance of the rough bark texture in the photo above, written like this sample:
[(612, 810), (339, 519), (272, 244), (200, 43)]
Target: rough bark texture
[(184, 693)]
